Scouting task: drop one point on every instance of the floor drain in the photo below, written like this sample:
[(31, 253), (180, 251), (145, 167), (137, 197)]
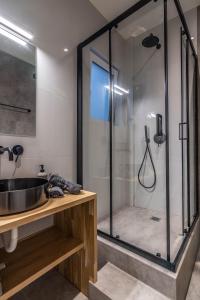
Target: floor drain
[(156, 219)]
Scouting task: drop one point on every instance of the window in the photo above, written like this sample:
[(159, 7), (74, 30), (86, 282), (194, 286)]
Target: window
[(99, 93)]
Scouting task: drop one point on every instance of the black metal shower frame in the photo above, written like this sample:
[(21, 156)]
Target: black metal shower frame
[(108, 28)]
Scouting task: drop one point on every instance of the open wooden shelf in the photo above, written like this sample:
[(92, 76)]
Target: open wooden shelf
[(34, 257)]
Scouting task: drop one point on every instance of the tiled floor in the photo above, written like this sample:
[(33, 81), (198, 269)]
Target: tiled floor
[(53, 286), (118, 285), (135, 226)]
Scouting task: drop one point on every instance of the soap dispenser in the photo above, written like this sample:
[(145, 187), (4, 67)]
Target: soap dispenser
[(42, 173)]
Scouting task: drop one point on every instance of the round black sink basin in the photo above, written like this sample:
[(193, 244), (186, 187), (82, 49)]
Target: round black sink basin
[(21, 194)]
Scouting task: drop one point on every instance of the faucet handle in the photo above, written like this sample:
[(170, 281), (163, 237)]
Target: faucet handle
[(18, 150), (10, 154)]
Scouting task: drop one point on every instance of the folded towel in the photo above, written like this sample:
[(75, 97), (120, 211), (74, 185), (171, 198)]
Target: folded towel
[(73, 188), (58, 181), (55, 192)]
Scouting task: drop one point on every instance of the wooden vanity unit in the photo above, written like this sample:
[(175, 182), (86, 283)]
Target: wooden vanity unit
[(70, 245)]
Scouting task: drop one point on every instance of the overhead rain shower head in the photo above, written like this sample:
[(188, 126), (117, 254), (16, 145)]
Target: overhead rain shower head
[(151, 41)]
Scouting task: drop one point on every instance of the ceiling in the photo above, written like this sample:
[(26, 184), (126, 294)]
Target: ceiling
[(59, 24), (112, 8), (55, 24), (148, 17)]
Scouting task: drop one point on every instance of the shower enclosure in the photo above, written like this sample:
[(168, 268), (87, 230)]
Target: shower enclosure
[(137, 129)]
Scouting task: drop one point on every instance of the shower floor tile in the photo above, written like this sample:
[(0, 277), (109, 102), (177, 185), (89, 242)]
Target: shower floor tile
[(145, 229)]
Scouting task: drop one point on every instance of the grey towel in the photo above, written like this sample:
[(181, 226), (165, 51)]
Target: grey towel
[(55, 192), (58, 181)]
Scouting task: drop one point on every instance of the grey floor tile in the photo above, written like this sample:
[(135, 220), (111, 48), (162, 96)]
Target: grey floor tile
[(51, 286), (118, 285), (135, 226)]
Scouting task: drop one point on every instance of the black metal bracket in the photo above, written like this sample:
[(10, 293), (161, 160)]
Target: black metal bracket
[(181, 127)]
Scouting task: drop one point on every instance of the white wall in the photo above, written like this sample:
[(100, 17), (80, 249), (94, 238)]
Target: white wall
[(54, 144), (55, 141)]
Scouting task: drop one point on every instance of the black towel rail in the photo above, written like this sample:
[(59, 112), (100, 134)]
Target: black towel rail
[(17, 108)]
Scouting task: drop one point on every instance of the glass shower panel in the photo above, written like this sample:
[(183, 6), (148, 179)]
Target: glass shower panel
[(191, 87), (139, 161), (176, 118), (96, 162)]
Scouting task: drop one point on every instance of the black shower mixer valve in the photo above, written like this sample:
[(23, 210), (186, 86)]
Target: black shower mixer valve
[(159, 137)]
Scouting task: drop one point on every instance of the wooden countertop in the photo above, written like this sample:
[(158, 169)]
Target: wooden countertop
[(51, 207)]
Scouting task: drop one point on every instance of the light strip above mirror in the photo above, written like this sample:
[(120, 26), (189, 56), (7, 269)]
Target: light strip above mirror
[(16, 29), (12, 37)]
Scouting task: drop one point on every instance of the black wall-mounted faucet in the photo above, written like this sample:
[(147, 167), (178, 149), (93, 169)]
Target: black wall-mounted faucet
[(7, 149)]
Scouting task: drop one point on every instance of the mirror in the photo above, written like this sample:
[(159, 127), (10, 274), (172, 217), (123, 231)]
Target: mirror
[(17, 88)]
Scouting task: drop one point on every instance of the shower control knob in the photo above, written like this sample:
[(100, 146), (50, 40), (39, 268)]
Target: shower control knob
[(159, 139)]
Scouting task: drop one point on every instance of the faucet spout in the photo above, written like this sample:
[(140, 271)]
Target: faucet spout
[(7, 149)]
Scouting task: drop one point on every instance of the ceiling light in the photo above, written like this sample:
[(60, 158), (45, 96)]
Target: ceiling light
[(15, 28), (66, 50), (121, 89), (192, 38), (12, 37)]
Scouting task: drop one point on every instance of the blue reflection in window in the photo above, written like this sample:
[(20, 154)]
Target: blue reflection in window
[(99, 94)]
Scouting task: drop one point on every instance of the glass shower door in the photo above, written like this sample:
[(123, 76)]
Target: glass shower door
[(139, 180), (96, 124), (187, 132), (192, 141)]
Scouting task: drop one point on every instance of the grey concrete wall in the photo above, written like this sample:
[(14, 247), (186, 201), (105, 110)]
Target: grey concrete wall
[(17, 88)]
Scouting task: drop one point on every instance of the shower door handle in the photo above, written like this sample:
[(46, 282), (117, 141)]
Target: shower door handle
[(181, 131)]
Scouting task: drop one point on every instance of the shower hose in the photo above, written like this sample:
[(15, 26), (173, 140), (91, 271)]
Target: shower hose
[(147, 151)]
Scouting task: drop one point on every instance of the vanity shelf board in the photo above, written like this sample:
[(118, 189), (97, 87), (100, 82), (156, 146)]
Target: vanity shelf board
[(53, 206), (34, 257)]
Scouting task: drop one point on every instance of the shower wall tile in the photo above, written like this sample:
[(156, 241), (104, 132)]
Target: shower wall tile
[(149, 97)]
